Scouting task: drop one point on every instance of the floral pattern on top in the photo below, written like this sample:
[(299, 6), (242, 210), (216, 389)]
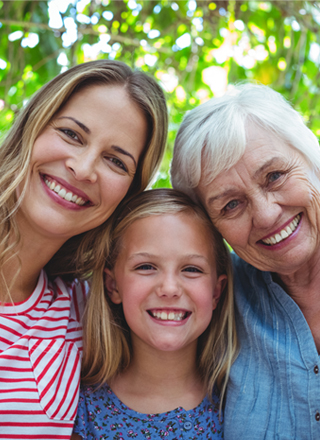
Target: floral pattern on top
[(101, 415)]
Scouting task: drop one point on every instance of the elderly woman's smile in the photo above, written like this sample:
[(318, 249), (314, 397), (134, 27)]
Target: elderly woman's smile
[(264, 206)]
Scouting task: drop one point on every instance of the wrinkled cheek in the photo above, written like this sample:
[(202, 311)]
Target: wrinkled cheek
[(313, 210)]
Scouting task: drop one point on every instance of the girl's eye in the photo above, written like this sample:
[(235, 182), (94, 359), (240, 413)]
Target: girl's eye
[(118, 163), (231, 205), (192, 269), (145, 267), (272, 177), (70, 133)]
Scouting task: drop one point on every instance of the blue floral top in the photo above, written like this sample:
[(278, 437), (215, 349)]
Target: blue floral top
[(101, 415)]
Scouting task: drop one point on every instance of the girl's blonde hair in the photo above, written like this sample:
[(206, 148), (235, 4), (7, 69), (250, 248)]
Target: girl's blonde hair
[(108, 351), (83, 253)]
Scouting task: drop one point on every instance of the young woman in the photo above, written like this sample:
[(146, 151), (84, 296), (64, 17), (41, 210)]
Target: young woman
[(89, 138)]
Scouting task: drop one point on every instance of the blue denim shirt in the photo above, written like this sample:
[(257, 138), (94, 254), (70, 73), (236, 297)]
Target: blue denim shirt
[(274, 388)]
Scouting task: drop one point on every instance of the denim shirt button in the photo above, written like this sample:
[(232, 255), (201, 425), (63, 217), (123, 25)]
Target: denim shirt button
[(316, 369), (317, 416), (188, 425)]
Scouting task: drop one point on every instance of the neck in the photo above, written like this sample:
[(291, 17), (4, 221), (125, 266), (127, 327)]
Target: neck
[(21, 272), (303, 287), (160, 381)]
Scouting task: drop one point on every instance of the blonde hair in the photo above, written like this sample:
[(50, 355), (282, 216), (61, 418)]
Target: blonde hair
[(212, 136), (83, 253), (108, 351)]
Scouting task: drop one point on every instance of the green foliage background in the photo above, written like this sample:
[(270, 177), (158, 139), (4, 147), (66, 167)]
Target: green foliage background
[(195, 48)]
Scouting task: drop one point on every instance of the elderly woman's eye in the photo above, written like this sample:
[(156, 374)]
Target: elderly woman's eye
[(231, 205), (272, 177)]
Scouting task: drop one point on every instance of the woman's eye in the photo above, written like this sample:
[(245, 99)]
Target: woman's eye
[(231, 205), (70, 133), (118, 163), (272, 177)]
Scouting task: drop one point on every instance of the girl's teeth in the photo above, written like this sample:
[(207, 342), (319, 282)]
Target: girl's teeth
[(69, 196), (171, 316), (285, 233)]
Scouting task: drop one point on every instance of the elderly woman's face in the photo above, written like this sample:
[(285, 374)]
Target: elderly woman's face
[(266, 206), (83, 163)]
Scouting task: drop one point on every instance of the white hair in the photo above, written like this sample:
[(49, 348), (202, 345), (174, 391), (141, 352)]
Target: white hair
[(212, 137)]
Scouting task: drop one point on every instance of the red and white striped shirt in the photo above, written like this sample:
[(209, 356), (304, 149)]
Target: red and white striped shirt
[(40, 354)]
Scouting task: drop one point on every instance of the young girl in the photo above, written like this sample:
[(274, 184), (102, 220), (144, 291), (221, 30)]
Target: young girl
[(169, 326)]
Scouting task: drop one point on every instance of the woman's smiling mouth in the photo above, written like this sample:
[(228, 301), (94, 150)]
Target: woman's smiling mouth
[(284, 233), (63, 192)]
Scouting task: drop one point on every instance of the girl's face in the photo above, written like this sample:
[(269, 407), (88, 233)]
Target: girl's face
[(165, 277), (83, 163)]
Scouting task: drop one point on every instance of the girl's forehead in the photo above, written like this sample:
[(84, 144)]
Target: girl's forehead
[(175, 235)]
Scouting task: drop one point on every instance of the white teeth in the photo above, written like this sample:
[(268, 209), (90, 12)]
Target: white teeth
[(278, 238), (171, 316), (69, 196), (284, 233), (62, 193)]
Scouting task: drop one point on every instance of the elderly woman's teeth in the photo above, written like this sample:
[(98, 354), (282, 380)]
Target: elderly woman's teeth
[(284, 233), (69, 196), (168, 316)]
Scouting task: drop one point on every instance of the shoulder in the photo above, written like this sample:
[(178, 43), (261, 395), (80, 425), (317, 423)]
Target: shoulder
[(247, 278), (73, 294)]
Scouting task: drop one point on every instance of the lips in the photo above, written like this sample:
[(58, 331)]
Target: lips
[(284, 233), (64, 192), (169, 315)]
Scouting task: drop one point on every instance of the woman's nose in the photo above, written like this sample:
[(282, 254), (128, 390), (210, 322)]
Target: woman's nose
[(83, 166), (265, 211)]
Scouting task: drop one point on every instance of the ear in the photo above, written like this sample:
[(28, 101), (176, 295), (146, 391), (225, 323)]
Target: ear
[(111, 286), (219, 288)]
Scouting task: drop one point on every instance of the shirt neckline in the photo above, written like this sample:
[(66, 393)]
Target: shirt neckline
[(179, 411), (29, 303)]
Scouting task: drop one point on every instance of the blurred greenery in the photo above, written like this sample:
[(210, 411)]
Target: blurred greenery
[(196, 49)]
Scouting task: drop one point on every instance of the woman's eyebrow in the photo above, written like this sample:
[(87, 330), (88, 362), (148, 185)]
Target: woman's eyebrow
[(266, 165), (121, 151), (226, 193), (81, 125)]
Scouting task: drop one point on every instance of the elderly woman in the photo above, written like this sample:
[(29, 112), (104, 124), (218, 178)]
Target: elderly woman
[(88, 139), (251, 161)]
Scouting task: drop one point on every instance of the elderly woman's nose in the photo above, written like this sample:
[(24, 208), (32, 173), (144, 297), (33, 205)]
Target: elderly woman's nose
[(83, 166), (265, 212)]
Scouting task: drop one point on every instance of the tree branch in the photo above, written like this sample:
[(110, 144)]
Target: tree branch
[(81, 30)]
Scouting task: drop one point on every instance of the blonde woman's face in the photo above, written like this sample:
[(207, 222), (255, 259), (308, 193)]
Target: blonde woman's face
[(83, 163)]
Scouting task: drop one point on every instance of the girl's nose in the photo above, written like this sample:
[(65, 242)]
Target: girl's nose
[(83, 166), (169, 287), (266, 211)]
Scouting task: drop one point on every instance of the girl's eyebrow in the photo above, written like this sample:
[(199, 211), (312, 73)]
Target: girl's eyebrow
[(81, 125)]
